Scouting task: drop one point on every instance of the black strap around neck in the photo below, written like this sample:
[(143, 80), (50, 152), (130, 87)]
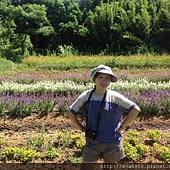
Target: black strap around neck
[(99, 110)]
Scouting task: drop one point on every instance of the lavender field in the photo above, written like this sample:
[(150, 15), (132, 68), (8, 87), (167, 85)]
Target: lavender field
[(27, 94)]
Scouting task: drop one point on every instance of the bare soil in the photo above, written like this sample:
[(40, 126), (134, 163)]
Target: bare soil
[(14, 129)]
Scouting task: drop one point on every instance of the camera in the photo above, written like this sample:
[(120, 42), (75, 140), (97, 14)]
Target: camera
[(91, 134)]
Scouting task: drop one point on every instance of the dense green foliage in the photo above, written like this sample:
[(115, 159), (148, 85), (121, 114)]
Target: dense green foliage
[(88, 26)]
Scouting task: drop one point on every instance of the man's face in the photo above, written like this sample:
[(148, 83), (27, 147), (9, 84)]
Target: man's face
[(103, 81)]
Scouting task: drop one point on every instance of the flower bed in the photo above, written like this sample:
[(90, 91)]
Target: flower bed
[(153, 102), (26, 95)]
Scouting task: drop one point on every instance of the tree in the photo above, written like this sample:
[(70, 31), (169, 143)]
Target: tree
[(66, 19), (103, 27), (24, 21), (160, 34)]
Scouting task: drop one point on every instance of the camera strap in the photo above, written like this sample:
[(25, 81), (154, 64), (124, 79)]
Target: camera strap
[(99, 110)]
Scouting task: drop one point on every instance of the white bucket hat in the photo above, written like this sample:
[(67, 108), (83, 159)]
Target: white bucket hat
[(103, 69)]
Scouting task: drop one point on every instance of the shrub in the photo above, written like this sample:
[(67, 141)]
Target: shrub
[(37, 143), (163, 152), (80, 144), (166, 156), (19, 154), (51, 153), (155, 135), (6, 65), (131, 152), (142, 149), (133, 137)]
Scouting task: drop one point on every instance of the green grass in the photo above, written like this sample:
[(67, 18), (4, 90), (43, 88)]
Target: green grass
[(79, 63), (7, 65)]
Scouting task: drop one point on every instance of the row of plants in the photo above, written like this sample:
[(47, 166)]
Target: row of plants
[(41, 97), (26, 104), (154, 102), (67, 146), (84, 76), (43, 147), (77, 62), (135, 148), (68, 86)]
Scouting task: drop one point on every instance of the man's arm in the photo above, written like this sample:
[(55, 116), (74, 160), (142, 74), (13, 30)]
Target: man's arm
[(75, 122), (130, 117)]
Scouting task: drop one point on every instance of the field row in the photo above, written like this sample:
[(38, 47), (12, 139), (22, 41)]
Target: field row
[(68, 146), (68, 86), (151, 102), (84, 76), (77, 62)]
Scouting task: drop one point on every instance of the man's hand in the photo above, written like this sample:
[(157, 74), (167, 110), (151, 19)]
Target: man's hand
[(121, 129)]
